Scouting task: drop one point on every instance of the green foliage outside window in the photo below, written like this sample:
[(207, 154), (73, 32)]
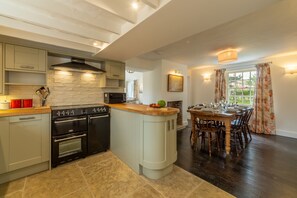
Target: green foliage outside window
[(241, 87)]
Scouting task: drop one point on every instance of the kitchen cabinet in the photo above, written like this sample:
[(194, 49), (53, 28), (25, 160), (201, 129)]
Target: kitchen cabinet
[(159, 145), (24, 58), (149, 147), (23, 66), (1, 69), (114, 76), (29, 138), (4, 144), (24, 142), (114, 70)]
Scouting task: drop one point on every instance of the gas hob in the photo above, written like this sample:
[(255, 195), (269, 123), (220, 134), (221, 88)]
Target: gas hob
[(77, 110)]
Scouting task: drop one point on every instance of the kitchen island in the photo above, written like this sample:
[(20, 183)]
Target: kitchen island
[(144, 138)]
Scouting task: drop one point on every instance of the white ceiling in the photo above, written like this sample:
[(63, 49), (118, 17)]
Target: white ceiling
[(184, 31)]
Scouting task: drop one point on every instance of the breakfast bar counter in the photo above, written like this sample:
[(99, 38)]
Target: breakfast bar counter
[(144, 109), (144, 138)]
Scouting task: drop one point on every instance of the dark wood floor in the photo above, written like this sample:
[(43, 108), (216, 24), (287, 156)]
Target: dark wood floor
[(266, 168)]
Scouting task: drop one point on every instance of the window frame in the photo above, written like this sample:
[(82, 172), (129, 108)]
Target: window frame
[(250, 69)]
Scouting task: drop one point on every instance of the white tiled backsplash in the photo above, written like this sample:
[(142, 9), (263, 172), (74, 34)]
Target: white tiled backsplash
[(67, 88)]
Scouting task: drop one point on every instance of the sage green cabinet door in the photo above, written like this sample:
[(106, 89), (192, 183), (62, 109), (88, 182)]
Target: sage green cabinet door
[(115, 70), (28, 140), (25, 58), (4, 144), (159, 141)]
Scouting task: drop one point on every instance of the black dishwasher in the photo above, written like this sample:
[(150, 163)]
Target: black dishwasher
[(99, 132)]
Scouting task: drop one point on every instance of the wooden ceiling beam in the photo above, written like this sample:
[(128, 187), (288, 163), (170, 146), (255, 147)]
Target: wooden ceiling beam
[(152, 3), (119, 8), (16, 25), (72, 11), (45, 20)]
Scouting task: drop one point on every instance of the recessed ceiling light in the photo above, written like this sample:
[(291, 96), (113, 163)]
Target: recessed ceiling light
[(95, 44), (135, 5)]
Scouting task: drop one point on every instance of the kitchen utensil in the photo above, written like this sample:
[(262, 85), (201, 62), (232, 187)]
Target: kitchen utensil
[(43, 93)]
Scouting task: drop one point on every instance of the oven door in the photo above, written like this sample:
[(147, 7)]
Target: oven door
[(68, 147), (61, 126)]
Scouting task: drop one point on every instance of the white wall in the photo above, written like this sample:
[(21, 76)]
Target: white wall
[(202, 91), (155, 84), (284, 90), (152, 84)]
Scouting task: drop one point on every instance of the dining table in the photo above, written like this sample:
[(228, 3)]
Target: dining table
[(223, 116)]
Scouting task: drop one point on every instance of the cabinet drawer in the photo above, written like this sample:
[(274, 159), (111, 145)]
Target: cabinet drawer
[(25, 118)]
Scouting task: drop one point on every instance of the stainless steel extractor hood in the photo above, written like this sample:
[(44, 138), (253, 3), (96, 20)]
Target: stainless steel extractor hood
[(77, 65)]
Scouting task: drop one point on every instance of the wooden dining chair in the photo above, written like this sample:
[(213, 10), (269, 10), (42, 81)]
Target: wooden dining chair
[(246, 129), (207, 129)]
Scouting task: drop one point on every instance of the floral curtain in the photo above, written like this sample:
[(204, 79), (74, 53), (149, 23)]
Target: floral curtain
[(220, 85), (263, 119)]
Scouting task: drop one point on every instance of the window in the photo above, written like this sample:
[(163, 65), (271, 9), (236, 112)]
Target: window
[(130, 89), (241, 87)]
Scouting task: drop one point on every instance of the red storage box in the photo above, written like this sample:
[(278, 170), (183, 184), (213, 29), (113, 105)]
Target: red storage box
[(27, 103), (15, 103)]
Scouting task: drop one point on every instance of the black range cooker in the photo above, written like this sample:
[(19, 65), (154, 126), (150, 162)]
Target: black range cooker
[(78, 131)]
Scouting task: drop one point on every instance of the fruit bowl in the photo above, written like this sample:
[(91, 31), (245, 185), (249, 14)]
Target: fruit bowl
[(154, 105)]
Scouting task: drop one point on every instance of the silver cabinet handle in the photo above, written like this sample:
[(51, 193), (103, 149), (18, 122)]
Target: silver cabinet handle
[(70, 138), (27, 66), (96, 117), (27, 118), (172, 124), (72, 120), (116, 75)]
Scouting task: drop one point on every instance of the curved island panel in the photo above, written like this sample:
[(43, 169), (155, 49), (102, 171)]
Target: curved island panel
[(144, 138)]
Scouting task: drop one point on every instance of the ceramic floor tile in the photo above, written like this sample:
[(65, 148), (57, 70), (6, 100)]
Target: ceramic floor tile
[(55, 183), (207, 190), (178, 183), (17, 194), (146, 191), (81, 193), (112, 178), (7, 188), (104, 175), (95, 159)]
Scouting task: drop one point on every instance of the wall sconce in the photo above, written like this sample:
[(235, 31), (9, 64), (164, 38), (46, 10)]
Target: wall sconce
[(206, 76), (130, 71), (177, 71), (291, 69)]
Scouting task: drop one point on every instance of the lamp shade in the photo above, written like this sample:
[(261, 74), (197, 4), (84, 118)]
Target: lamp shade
[(227, 56)]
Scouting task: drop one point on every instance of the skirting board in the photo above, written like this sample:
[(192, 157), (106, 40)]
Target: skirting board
[(291, 134)]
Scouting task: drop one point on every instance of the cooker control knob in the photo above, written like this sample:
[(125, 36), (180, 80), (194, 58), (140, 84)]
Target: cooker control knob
[(94, 110), (58, 113), (62, 113), (98, 109), (67, 112), (72, 112)]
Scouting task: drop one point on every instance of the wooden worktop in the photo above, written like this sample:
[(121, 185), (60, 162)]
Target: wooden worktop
[(145, 109), (24, 111)]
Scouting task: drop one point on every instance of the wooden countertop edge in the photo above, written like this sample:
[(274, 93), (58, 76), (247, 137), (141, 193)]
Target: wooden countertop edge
[(24, 111), (144, 109)]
